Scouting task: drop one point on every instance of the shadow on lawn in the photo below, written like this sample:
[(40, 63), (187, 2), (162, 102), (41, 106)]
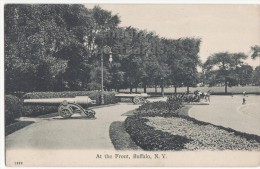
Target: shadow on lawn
[(120, 138)]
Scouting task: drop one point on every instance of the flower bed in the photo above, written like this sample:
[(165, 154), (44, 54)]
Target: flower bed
[(204, 137), (153, 128), (148, 138)]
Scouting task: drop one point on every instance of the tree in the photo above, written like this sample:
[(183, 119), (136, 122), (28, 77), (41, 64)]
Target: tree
[(33, 35), (58, 47), (244, 74), (255, 51), (222, 67), (256, 76), (102, 23), (182, 58), (50, 47)]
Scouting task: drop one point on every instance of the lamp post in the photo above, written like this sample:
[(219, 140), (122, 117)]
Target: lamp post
[(105, 50)]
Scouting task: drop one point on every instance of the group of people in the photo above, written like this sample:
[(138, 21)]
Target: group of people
[(203, 95), (206, 95)]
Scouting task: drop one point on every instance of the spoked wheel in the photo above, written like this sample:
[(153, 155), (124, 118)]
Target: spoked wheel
[(65, 111), (136, 100)]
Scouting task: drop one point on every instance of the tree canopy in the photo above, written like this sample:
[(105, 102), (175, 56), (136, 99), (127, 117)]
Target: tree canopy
[(255, 51), (227, 68), (58, 47)]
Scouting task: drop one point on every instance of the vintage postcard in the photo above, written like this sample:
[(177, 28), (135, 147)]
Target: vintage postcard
[(126, 85)]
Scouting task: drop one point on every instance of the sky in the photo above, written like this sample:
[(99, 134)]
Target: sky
[(231, 28)]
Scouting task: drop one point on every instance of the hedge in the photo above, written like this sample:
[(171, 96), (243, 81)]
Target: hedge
[(161, 108), (13, 108), (33, 110)]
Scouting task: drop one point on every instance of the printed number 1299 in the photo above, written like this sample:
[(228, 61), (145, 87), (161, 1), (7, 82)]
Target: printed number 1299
[(18, 163)]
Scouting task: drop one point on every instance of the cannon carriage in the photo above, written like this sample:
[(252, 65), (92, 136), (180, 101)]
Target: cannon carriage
[(136, 98), (67, 106)]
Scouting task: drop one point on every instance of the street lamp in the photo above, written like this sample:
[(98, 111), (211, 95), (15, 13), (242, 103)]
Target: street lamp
[(106, 50)]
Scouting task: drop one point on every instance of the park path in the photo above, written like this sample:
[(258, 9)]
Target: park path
[(74, 133), (229, 112)]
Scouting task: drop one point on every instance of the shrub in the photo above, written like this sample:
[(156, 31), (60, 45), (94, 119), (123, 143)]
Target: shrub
[(13, 106), (173, 103), (32, 111), (160, 108), (109, 98)]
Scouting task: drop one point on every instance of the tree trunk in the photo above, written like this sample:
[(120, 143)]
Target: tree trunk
[(136, 89), (188, 89), (131, 89), (225, 85), (155, 88), (144, 88), (175, 89), (162, 90), (117, 89)]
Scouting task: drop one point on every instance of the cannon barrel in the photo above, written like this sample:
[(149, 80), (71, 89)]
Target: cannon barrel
[(80, 100), (144, 95)]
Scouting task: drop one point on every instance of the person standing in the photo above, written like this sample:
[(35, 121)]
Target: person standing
[(244, 99)]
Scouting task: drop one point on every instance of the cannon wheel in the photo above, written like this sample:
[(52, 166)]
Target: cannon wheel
[(65, 111), (136, 100)]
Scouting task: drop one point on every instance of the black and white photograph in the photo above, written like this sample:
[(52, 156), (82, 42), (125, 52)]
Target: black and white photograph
[(128, 84)]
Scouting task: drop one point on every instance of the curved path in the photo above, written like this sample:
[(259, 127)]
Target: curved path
[(74, 133), (229, 112)]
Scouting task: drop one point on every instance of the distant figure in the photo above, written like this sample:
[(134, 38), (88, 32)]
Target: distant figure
[(232, 95), (244, 101), (244, 93), (207, 95), (198, 94)]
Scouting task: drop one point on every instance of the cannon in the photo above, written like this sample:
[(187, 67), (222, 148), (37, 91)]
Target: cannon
[(136, 98), (67, 106)]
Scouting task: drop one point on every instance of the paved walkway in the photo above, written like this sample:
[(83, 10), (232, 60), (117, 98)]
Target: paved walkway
[(75, 133), (229, 112)]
